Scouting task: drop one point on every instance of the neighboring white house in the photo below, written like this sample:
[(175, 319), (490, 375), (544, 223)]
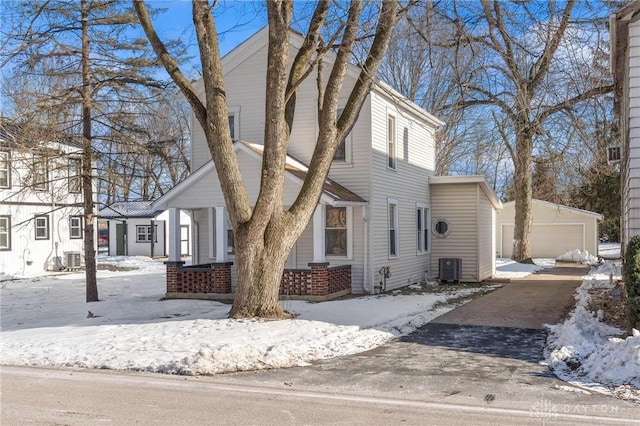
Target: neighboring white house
[(134, 228), (556, 229), (624, 28), (374, 214), (41, 222)]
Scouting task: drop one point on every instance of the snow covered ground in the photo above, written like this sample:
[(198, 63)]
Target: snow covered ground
[(45, 321), (507, 268), (587, 352)]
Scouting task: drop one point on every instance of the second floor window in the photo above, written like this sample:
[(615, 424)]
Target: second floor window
[(343, 152), (75, 175), (234, 123), (391, 142), (42, 227), (5, 169), (40, 173)]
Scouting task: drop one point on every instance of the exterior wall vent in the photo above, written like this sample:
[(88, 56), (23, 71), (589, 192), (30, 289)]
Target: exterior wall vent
[(450, 269)]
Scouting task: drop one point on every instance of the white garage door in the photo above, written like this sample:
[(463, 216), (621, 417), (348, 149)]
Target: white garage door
[(547, 240)]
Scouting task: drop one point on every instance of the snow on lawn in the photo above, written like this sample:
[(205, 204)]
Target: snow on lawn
[(45, 321), (609, 250), (585, 351), (507, 268)]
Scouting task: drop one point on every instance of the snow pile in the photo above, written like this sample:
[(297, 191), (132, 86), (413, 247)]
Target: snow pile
[(47, 322), (141, 263), (578, 256), (585, 350), (508, 268)]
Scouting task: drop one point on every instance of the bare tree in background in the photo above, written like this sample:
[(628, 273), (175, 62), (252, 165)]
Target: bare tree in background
[(85, 56), (266, 232)]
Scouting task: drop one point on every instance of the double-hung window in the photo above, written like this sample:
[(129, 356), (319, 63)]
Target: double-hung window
[(75, 175), (392, 206), (40, 173), (75, 227), (392, 146), (343, 153), (5, 233), (234, 123), (5, 169), (42, 227), (336, 235), (422, 228)]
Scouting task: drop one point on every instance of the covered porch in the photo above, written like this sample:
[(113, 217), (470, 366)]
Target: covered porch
[(319, 266)]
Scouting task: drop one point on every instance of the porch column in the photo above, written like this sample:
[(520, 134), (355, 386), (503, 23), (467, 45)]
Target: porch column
[(174, 234), (221, 234), (318, 235)]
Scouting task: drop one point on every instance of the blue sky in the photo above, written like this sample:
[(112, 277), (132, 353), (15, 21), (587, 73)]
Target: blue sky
[(235, 21)]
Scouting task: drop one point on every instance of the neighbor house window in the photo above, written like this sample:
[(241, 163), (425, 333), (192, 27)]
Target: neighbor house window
[(336, 235), (5, 233), (391, 142), (343, 153), (42, 227), (40, 173), (75, 175), (75, 227), (143, 234), (5, 169), (422, 228), (393, 227), (234, 123)]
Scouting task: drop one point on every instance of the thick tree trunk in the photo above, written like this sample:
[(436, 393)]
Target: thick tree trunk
[(260, 268), (523, 190)]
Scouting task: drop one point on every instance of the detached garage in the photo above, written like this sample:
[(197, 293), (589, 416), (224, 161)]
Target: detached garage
[(556, 229)]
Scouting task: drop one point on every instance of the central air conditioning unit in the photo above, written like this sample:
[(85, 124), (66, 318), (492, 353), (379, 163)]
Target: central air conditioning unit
[(450, 269), (74, 260)]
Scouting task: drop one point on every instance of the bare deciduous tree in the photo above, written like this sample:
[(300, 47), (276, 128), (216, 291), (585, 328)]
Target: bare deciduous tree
[(266, 232)]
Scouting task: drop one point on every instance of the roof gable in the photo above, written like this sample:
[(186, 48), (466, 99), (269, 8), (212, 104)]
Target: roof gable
[(130, 210)]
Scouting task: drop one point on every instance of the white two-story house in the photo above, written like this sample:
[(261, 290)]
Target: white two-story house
[(375, 215), (41, 222)]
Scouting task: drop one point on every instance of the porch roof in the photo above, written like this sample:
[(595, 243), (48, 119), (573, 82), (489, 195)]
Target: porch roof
[(333, 193), (129, 210)]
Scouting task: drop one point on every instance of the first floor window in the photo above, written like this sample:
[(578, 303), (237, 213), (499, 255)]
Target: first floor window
[(42, 227), (393, 228), (422, 227), (75, 227), (230, 238), (5, 232), (143, 234), (335, 231)]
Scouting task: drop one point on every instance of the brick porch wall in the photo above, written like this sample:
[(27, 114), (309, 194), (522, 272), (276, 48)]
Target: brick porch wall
[(205, 278)]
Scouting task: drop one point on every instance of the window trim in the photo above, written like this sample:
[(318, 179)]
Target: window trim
[(391, 155), (440, 234), (7, 231), (349, 225), (5, 159), (41, 159), (45, 227), (147, 234), (77, 176), (235, 113), (423, 242), (347, 148), (395, 229), (79, 227)]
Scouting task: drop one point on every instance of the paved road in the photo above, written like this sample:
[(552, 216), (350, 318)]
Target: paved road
[(461, 369)]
